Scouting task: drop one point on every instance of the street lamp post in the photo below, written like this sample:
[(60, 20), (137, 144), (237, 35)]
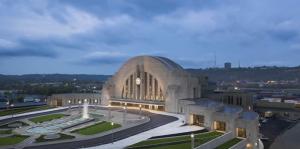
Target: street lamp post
[(69, 105), (79, 102), (192, 141), (112, 134), (109, 112), (124, 115), (7, 105), (140, 111), (12, 115)]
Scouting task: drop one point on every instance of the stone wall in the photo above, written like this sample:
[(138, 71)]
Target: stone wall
[(240, 145)]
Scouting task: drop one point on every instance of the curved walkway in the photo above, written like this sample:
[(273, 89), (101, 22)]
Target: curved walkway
[(174, 127)]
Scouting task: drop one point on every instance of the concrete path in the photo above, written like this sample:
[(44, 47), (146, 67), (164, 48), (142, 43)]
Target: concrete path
[(289, 139), (171, 128), (30, 113)]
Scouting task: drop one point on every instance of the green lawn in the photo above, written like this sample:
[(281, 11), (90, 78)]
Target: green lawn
[(62, 137), (180, 142), (45, 118), (6, 125), (96, 128), (15, 139), (8, 131), (23, 110), (229, 143)]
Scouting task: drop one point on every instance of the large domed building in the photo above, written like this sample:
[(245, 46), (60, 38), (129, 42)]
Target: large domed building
[(153, 82), (157, 83)]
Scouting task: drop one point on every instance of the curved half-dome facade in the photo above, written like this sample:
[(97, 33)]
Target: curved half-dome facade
[(152, 82)]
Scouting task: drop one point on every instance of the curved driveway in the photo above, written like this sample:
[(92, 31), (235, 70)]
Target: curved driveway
[(156, 120)]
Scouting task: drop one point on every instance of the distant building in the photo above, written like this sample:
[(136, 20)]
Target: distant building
[(73, 99), (227, 65), (234, 97), (273, 106), (33, 98)]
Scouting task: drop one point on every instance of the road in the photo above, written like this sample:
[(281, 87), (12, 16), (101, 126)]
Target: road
[(289, 139), (273, 128)]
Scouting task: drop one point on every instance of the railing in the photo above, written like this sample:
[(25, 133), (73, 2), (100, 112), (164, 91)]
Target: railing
[(138, 101), (240, 145)]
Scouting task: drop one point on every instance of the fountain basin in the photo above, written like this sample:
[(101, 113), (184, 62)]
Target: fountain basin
[(56, 126)]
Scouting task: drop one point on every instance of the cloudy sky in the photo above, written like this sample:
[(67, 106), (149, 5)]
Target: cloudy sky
[(97, 36)]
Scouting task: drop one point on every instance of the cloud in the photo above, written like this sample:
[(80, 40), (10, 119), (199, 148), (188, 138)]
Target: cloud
[(27, 52), (33, 24), (48, 21), (103, 58), (108, 32), (194, 21), (7, 44)]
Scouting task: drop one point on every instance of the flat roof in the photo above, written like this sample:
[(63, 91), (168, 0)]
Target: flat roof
[(249, 115), (204, 102), (228, 109)]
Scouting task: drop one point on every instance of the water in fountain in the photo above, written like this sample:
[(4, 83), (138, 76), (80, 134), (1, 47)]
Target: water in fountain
[(85, 111)]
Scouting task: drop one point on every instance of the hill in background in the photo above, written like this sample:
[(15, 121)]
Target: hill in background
[(250, 74)]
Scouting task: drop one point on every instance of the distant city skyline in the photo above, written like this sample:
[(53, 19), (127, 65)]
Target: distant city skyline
[(96, 37)]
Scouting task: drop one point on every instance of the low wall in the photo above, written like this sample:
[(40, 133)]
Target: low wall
[(217, 141), (240, 145)]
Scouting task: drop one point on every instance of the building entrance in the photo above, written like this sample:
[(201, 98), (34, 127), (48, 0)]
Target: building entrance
[(219, 125), (198, 120)]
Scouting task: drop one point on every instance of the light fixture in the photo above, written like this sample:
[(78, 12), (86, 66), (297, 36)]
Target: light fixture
[(248, 145), (138, 81)]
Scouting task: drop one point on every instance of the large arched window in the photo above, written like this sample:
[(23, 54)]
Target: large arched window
[(142, 86)]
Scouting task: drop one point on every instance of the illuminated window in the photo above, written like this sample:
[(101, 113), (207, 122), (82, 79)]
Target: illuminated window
[(241, 132)]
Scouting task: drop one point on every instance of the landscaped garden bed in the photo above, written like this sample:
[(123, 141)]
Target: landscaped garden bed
[(15, 139), (14, 124), (178, 142), (62, 137), (45, 118), (5, 131), (96, 128), (23, 110)]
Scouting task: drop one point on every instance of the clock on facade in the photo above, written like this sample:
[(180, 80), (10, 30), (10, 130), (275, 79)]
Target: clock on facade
[(138, 81)]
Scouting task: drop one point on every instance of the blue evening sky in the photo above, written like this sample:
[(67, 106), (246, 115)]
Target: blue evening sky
[(97, 36)]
